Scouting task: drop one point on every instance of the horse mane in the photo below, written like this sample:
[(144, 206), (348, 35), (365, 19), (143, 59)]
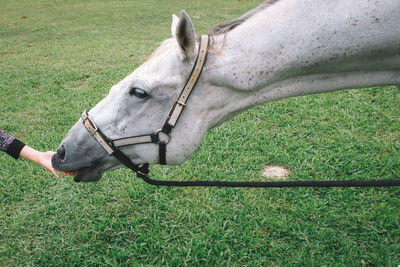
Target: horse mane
[(229, 25)]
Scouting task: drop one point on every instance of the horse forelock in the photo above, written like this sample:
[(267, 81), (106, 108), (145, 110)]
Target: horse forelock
[(227, 26)]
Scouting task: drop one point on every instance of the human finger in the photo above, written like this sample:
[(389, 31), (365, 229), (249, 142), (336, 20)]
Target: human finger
[(55, 173)]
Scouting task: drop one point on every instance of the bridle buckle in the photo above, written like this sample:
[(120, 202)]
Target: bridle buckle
[(88, 123)]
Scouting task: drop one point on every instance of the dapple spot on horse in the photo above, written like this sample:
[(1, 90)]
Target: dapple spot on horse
[(281, 49)]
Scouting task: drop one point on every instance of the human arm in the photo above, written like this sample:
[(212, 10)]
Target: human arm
[(16, 148)]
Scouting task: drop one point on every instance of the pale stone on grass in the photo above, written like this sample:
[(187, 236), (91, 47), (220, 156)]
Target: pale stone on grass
[(275, 172)]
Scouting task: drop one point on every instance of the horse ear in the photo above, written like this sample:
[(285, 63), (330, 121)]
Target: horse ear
[(185, 35), (175, 21)]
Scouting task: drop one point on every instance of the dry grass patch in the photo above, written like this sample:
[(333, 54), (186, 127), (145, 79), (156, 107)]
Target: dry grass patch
[(275, 172)]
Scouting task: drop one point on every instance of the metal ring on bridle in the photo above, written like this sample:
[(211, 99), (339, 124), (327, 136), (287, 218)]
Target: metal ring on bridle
[(157, 133)]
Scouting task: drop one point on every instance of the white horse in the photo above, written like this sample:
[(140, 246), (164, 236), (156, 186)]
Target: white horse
[(280, 49)]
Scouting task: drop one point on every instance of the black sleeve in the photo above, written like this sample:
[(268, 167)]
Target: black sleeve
[(14, 149)]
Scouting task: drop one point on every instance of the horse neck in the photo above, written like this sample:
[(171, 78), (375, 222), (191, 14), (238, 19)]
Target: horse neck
[(303, 47)]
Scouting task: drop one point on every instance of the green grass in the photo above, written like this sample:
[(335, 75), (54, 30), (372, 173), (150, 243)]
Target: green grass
[(58, 58)]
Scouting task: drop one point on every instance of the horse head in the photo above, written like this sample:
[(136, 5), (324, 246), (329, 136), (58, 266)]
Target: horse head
[(139, 105)]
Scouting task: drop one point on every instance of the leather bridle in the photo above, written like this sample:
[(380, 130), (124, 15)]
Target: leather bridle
[(161, 136)]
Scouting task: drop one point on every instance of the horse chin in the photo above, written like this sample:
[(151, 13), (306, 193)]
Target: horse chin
[(88, 175)]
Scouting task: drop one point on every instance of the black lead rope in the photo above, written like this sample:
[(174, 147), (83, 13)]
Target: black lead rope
[(143, 171), (373, 183)]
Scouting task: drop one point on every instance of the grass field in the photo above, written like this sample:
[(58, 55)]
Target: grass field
[(58, 58)]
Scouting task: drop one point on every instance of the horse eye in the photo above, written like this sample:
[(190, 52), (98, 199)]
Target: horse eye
[(139, 93)]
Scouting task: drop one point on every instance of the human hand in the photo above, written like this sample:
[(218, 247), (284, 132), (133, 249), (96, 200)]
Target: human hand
[(43, 159)]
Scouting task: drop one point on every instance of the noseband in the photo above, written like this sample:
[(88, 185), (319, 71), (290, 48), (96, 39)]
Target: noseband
[(161, 136)]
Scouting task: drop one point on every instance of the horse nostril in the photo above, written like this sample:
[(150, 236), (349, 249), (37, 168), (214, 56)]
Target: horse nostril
[(61, 152)]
